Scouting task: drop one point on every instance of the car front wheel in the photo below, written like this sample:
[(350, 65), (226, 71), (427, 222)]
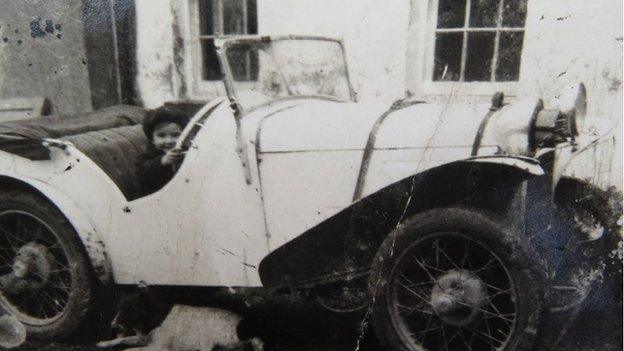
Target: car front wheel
[(456, 279), (44, 272)]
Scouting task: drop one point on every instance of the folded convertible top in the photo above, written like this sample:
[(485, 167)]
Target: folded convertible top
[(60, 126), (112, 138)]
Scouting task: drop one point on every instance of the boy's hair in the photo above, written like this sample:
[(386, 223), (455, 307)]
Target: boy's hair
[(164, 114)]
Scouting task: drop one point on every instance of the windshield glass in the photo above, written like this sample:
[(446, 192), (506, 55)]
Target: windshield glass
[(261, 71)]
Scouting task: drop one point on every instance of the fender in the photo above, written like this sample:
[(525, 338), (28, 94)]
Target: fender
[(525, 164), (89, 237), (343, 246)]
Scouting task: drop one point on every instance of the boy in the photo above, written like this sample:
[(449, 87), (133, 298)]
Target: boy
[(158, 164), (138, 309)]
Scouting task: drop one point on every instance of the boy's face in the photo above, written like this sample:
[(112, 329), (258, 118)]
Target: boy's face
[(165, 135)]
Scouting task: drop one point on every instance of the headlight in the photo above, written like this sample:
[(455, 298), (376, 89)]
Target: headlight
[(556, 126), (551, 127), (525, 126)]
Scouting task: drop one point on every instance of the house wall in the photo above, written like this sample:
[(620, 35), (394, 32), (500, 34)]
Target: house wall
[(157, 80), (374, 33), (569, 41), (375, 46), (566, 41), (39, 63), (62, 50)]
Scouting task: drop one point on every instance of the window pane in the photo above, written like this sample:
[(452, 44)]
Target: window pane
[(448, 56), (451, 13), (514, 13), (243, 63), (252, 17), (479, 56), (210, 66), (206, 18), (509, 53), (483, 13), (234, 17), (254, 65)]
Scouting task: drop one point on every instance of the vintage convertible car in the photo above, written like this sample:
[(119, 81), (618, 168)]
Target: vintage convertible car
[(442, 220)]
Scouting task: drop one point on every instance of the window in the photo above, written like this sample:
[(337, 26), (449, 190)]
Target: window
[(478, 40), (224, 18)]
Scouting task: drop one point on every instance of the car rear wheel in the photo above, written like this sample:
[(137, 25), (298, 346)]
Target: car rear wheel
[(44, 271), (455, 279)]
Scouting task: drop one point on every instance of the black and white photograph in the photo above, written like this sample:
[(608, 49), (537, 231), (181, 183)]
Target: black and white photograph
[(311, 175)]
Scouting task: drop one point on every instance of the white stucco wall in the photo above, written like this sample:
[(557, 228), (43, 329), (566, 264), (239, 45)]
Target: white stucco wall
[(51, 65), (569, 41), (156, 77), (374, 33), (565, 41)]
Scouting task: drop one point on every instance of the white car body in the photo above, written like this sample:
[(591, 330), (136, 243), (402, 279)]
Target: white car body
[(250, 184), (208, 226)]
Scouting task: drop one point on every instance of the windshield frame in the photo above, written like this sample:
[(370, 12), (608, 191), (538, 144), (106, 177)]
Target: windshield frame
[(223, 43)]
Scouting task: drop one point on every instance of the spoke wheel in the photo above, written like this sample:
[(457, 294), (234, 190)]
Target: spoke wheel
[(44, 273), (454, 292), (39, 277), (454, 279)]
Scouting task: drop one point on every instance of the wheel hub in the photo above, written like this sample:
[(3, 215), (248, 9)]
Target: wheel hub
[(457, 297), (33, 264)]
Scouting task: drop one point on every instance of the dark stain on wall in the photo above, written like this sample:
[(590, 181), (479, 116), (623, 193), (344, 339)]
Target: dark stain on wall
[(35, 29), (42, 44), (37, 32), (125, 19), (178, 51), (110, 32), (100, 48), (80, 55)]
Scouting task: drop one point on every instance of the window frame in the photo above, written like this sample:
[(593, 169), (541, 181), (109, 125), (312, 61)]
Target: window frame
[(201, 88), (423, 31)]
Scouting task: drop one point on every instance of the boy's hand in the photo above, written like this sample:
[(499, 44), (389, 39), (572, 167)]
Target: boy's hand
[(172, 157)]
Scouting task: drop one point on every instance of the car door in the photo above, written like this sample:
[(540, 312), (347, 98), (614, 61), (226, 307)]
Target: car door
[(205, 227)]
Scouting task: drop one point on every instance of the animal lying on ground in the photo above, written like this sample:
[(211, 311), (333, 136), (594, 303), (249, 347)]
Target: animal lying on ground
[(190, 328)]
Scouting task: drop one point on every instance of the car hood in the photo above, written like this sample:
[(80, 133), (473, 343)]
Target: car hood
[(308, 125)]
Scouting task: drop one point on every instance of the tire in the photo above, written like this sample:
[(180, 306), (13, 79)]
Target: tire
[(52, 296), (495, 273)]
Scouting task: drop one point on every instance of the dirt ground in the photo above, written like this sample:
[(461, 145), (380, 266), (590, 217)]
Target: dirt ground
[(290, 323)]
